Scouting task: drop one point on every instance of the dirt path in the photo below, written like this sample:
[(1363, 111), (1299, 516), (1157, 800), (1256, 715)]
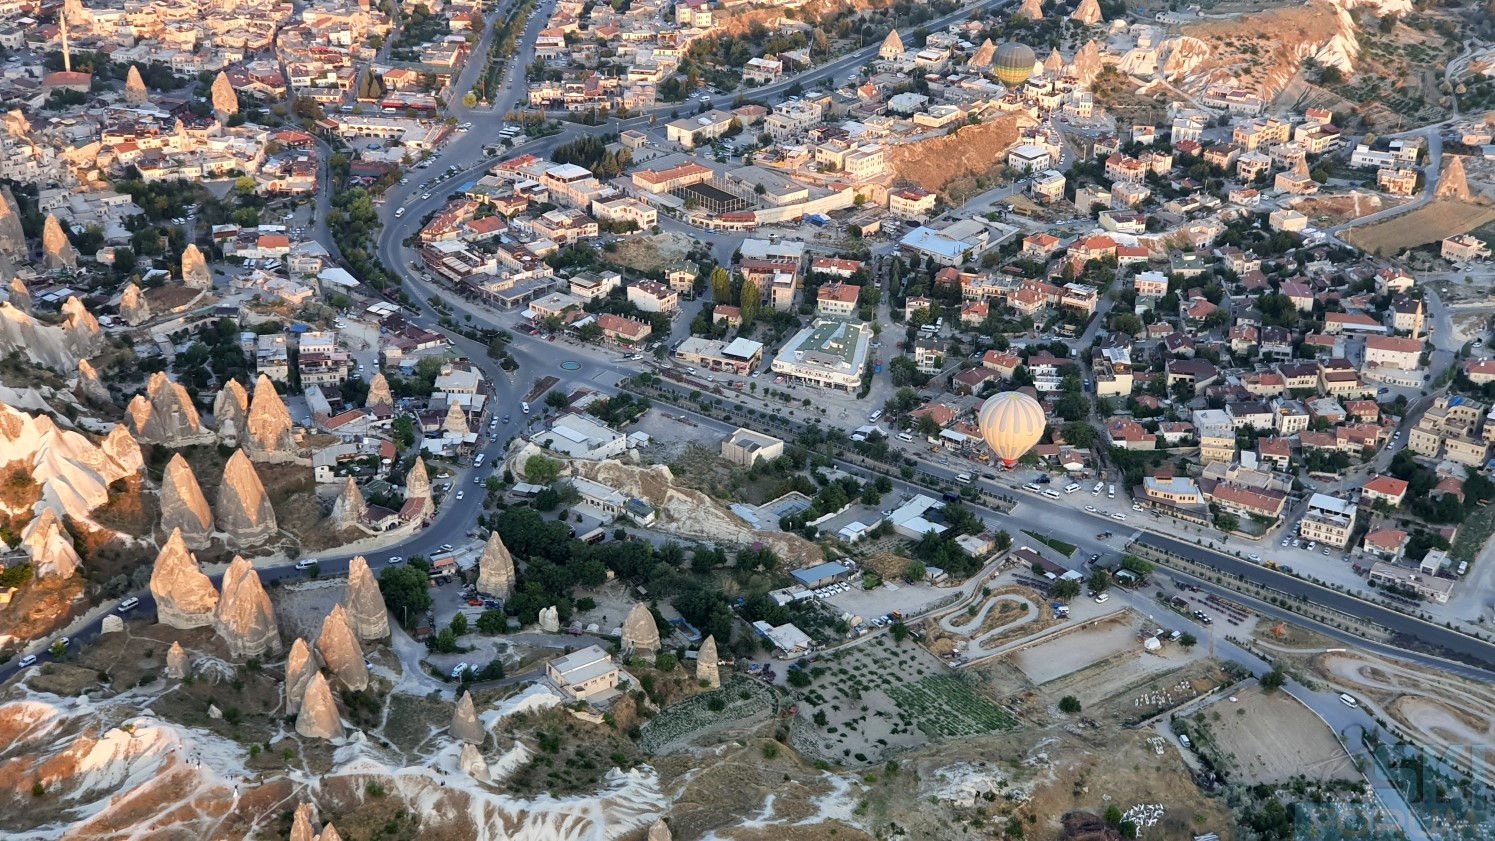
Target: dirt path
[(953, 624)]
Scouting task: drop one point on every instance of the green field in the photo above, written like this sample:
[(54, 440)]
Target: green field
[(1065, 549), (948, 706)]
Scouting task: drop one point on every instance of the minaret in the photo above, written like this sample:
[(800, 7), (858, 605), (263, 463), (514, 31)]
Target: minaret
[(67, 56)]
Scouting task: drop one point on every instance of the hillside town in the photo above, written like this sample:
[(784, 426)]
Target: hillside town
[(537, 419)]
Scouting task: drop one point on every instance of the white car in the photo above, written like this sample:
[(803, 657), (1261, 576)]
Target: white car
[(28, 660), (460, 494), (1092, 509), (1118, 516), (395, 559)]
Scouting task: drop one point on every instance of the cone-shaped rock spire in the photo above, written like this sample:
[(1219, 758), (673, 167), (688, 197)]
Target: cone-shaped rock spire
[(185, 597), (244, 510), (245, 618), (271, 433), (349, 507), (341, 652), (379, 393), (496, 569), (135, 92), (57, 251), (319, 718), (300, 666), (195, 271), (225, 100), (465, 726), (707, 667), (176, 661), (640, 634), (184, 509), (364, 603), (49, 546)]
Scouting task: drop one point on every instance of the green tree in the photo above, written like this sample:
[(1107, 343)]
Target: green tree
[(900, 632), (915, 571), (1227, 522), (541, 470), (1069, 704), (1065, 589), (1188, 640), (1080, 434), (1113, 814), (1273, 680), (1004, 541), (1100, 581), (752, 302), (459, 623), (721, 286), (407, 593), (492, 622)]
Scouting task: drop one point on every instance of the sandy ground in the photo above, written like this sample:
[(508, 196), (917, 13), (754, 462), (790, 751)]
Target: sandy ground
[(1271, 737), (1075, 650), (1430, 223)]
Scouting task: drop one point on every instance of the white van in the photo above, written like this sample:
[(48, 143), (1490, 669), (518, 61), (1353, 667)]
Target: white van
[(1051, 493), (1111, 491), (1095, 491), (1101, 599), (305, 563), (1349, 701), (872, 418), (963, 478), (904, 436), (399, 212), (1071, 487), (478, 460), (1034, 487), (525, 407)]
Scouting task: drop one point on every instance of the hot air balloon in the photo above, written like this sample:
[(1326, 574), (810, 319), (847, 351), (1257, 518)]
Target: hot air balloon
[(1011, 423), (1013, 63)]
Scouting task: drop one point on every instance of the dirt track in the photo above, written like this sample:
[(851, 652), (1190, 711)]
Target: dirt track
[(1270, 738)]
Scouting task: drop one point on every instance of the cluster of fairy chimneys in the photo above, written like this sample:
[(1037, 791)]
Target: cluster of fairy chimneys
[(245, 620)]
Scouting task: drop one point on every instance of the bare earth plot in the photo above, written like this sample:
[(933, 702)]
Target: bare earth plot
[(1270, 738), (1075, 650), (1430, 223)]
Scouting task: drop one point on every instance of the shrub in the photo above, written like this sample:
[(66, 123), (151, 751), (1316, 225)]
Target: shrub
[(1069, 704)]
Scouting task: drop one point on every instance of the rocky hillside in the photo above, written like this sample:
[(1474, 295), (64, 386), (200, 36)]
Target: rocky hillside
[(950, 164)]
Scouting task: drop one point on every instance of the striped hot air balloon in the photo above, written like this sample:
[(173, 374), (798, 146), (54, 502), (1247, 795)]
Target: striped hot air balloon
[(1013, 63)]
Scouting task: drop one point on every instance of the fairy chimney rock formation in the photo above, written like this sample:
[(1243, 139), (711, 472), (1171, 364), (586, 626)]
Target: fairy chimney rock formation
[(176, 661), (455, 424), (349, 507), (301, 829), (20, 296), (465, 726), (184, 596), (1454, 184), (231, 412), (1031, 9), (300, 666), (329, 833), (707, 671), (981, 59), (318, 718), (550, 621), (57, 252), (892, 46), (225, 101), (1088, 13), (417, 481), (184, 509), (244, 510), (341, 652), (91, 388), (133, 307), (84, 335), (660, 831), (135, 92), (12, 237), (1087, 62), (49, 546), (364, 604), (1054, 64), (471, 763), (195, 271), (496, 569), (379, 393), (245, 618), (165, 415), (640, 634), (271, 435), (122, 449)]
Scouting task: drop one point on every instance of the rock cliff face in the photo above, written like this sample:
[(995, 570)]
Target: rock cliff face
[(121, 448), (176, 662), (165, 415), (85, 337), (184, 596), (301, 829), (465, 726), (349, 507), (300, 666), (496, 569), (244, 511), (640, 634), (49, 546), (57, 251), (319, 718), (135, 92), (231, 412), (19, 295), (74, 474), (12, 238), (91, 388), (707, 664), (379, 393), (341, 652), (364, 604), (660, 831), (245, 619), (43, 344), (184, 509), (195, 271), (271, 436), (133, 307)]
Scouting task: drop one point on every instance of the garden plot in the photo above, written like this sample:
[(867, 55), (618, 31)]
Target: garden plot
[(1071, 651), (738, 704), (1133, 686), (876, 699)]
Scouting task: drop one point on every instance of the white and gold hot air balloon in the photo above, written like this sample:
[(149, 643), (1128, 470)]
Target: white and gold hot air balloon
[(1011, 423)]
